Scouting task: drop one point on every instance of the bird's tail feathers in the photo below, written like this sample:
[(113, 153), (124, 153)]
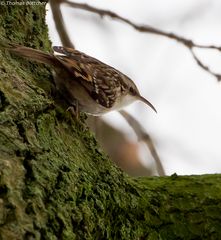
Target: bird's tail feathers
[(29, 53)]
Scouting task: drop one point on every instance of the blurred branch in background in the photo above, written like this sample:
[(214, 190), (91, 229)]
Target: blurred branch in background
[(120, 149), (142, 135), (205, 67), (59, 23), (149, 29)]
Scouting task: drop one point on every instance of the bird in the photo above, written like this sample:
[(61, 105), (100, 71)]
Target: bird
[(94, 86)]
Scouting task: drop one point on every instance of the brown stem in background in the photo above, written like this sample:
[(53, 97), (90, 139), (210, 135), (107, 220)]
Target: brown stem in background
[(202, 65), (149, 29), (145, 137), (59, 23)]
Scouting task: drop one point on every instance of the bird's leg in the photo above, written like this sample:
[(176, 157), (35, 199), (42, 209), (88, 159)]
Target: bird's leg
[(74, 110)]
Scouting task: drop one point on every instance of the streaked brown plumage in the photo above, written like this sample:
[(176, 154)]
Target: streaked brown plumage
[(97, 87)]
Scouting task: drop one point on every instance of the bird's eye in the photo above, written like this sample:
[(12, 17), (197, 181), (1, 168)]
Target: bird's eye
[(132, 91)]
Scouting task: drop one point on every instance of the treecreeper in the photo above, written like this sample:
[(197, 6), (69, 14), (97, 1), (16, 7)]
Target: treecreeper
[(93, 86)]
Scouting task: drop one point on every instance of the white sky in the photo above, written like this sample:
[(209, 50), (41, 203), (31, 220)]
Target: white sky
[(187, 128)]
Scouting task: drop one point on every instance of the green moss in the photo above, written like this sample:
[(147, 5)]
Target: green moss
[(56, 183)]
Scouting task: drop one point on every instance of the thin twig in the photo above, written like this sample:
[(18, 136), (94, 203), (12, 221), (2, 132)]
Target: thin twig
[(149, 29), (145, 137), (202, 65), (59, 23), (140, 28)]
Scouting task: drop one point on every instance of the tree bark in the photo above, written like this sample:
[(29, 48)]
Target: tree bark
[(56, 183)]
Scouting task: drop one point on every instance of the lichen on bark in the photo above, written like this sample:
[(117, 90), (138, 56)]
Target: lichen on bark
[(56, 183)]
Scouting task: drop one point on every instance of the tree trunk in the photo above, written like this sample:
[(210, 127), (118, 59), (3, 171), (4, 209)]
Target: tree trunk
[(55, 182)]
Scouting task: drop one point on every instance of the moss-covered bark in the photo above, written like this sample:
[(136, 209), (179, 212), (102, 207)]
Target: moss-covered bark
[(55, 183)]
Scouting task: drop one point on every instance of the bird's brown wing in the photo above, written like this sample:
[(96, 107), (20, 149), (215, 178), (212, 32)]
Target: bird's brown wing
[(102, 82)]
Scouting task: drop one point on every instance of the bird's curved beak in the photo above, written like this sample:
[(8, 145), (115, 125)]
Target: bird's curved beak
[(144, 100)]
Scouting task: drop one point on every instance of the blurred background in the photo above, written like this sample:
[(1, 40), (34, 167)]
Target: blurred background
[(186, 131)]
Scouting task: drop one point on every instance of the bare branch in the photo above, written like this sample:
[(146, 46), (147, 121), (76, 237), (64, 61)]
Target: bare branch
[(145, 137), (59, 23), (202, 65), (149, 29)]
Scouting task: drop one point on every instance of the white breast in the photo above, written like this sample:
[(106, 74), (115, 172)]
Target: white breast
[(123, 102)]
